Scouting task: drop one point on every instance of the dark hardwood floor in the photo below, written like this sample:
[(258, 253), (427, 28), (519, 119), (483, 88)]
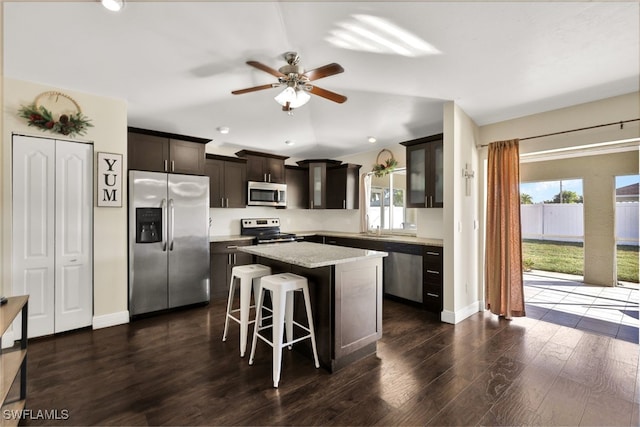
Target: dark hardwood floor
[(174, 369)]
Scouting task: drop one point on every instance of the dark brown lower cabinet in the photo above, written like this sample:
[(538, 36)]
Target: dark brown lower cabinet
[(225, 256), (431, 280)]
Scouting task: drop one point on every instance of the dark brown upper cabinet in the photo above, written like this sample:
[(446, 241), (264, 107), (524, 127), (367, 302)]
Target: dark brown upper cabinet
[(343, 190), (297, 187), (425, 172), (227, 181), (264, 167), (154, 151), (332, 185)]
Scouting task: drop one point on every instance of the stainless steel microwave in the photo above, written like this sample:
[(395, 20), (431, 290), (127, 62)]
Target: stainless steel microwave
[(266, 194)]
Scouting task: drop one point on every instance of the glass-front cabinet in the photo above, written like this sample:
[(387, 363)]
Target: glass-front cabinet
[(425, 172), (318, 181)]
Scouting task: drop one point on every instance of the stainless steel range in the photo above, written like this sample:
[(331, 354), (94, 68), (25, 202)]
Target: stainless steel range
[(265, 230)]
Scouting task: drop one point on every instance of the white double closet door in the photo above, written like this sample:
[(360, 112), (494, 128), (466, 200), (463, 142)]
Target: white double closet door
[(52, 232)]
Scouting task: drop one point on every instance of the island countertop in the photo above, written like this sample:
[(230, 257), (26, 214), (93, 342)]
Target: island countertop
[(311, 255)]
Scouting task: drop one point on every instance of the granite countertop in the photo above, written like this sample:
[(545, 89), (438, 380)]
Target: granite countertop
[(400, 238), (383, 238), (311, 255)]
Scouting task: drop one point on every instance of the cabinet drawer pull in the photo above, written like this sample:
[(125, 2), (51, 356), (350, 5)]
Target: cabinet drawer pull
[(429, 294), (166, 165), (344, 204), (433, 272), (331, 242), (433, 253), (173, 166), (232, 247), (269, 177)]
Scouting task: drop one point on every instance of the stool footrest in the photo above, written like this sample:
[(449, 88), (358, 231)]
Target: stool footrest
[(284, 344)]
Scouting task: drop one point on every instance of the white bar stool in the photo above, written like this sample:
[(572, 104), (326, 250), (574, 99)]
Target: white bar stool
[(282, 287), (248, 275)]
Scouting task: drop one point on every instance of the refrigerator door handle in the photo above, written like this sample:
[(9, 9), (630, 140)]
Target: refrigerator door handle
[(172, 222), (164, 224)]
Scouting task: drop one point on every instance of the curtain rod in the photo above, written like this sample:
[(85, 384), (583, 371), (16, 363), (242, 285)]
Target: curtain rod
[(621, 123)]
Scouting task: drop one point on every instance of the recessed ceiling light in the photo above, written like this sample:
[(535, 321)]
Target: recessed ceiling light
[(223, 130), (372, 139), (113, 5), (289, 142)]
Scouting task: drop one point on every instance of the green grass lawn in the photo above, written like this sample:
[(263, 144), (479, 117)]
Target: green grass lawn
[(566, 257)]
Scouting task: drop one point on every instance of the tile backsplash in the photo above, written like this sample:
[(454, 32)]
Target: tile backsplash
[(225, 222)]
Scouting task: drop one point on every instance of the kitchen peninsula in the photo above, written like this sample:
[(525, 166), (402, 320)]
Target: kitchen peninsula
[(346, 295)]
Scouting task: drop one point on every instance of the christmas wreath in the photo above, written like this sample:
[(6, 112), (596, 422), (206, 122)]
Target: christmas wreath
[(381, 168), (67, 124)]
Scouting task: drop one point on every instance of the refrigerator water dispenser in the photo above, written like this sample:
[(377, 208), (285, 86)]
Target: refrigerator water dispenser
[(148, 225)]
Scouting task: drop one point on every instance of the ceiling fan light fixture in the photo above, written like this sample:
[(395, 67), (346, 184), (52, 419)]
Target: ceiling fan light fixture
[(113, 5), (293, 97)]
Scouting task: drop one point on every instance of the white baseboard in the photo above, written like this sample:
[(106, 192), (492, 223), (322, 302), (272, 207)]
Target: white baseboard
[(111, 319), (454, 317), (8, 339)]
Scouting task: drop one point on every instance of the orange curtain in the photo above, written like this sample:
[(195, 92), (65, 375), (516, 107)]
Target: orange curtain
[(504, 291)]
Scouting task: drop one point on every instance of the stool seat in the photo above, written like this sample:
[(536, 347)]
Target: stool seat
[(248, 275), (282, 287)]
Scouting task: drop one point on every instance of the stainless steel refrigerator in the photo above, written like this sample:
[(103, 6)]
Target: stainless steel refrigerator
[(168, 241)]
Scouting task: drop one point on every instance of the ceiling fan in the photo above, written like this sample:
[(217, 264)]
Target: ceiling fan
[(297, 82)]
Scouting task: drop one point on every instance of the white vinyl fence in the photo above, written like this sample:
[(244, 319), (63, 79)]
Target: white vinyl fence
[(565, 222)]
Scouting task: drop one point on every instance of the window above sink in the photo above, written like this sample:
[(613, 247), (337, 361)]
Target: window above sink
[(387, 204)]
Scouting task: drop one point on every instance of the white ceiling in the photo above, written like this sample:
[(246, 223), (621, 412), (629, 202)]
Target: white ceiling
[(176, 63)]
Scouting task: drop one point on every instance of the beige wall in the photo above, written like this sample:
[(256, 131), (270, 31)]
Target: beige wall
[(598, 173), (597, 170), (460, 229), (109, 134)]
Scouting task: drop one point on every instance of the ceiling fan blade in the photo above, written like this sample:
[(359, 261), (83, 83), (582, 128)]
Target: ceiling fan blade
[(261, 66), (332, 96), (253, 89), (325, 71)]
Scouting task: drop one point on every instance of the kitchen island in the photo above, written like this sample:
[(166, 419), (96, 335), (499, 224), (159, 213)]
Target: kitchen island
[(345, 285)]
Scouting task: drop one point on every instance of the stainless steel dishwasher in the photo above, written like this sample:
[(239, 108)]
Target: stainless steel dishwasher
[(403, 276)]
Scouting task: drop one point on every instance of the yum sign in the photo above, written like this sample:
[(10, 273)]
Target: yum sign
[(109, 180)]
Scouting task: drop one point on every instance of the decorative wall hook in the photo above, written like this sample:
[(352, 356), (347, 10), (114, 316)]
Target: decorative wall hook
[(468, 174)]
